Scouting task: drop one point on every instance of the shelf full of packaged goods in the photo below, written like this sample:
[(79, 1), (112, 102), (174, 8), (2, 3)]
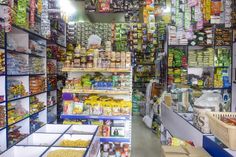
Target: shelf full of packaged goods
[(90, 91), (25, 53), (28, 31), (23, 97), (114, 139), (24, 118), (107, 70), (37, 112), (82, 117)]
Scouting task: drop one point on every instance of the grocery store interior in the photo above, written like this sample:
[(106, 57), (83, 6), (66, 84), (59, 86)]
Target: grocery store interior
[(118, 78)]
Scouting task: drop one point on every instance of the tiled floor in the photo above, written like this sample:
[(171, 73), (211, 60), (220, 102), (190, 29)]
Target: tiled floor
[(144, 142)]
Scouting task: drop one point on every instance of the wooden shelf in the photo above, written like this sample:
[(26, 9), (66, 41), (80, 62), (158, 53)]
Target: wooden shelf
[(90, 91), (125, 70)]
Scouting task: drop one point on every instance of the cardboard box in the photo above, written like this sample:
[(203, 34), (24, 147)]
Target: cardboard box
[(196, 151), (171, 151), (183, 151)]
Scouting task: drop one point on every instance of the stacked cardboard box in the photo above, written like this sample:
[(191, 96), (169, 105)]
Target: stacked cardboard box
[(183, 151)]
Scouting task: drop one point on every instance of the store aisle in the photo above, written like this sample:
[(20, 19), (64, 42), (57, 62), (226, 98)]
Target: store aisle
[(144, 142)]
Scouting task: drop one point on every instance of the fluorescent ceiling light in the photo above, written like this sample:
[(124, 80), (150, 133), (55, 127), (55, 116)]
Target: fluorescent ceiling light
[(67, 7)]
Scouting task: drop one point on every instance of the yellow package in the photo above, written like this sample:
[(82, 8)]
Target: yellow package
[(68, 107), (107, 110), (93, 97), (116, 108), (88, 107), (126, 107), (96, 107)]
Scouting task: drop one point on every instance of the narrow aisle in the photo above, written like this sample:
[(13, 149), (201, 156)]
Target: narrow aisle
[(144, 142)]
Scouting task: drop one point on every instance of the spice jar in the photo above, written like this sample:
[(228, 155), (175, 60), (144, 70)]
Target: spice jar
[(89, 64), (105, 154), (90, 58), (77, 61), (118, 152), (99, 63), (126, 147), (112, 154), (117, 145), (113, 56), (118, 64), (123, 154), (118, 56), (83, 59), (113, 64), (106, 147)]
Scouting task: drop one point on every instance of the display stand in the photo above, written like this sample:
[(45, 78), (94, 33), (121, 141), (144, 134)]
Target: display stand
[(22, 37), (125, 94), (49, 137)]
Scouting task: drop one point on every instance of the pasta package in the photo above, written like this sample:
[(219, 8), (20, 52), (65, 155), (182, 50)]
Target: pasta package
[(75, 143), (66, 153)]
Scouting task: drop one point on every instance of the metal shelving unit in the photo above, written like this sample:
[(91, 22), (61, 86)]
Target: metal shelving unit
[(24, 123), (187, 48), (83, 117)]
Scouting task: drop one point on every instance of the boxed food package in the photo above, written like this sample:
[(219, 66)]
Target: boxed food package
[(173, 151), (117, 131), (196, 152)]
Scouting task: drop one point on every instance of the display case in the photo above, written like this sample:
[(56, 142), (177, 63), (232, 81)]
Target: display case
[(49, 140)]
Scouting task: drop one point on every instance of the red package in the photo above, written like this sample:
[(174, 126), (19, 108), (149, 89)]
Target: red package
[(216, 7), (104, 5)]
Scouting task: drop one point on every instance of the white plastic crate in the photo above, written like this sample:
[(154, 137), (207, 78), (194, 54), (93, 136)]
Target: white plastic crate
[(40, 139), (53, 128), (82, 129), (26, 151)]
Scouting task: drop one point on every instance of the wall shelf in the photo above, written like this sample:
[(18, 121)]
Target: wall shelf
[(25, 53), (114, 139), (63, 116), (108, 70), (2, 128), (108, 92), (35, 113), (28, 31), (26, 117), (15, 99)]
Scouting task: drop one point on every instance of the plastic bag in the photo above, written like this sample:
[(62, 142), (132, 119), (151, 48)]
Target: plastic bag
[(94, 40), (209, 99)]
